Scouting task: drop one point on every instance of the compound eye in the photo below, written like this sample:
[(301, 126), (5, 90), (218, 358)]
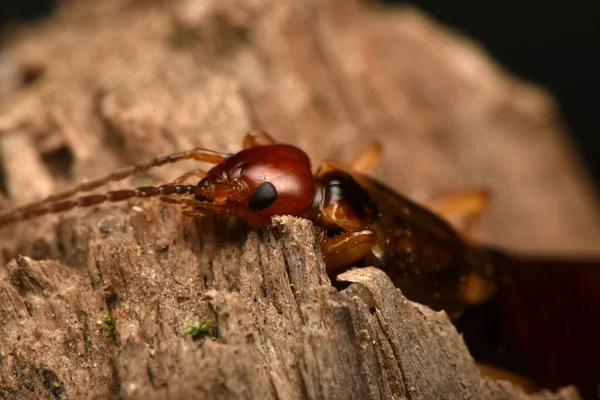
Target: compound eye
[(264, 196)]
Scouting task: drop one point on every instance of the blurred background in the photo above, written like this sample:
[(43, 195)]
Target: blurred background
[(551, 44)]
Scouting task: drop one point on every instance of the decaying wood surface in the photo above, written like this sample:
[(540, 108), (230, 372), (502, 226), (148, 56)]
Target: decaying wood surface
[(282, 330), (101, 85)]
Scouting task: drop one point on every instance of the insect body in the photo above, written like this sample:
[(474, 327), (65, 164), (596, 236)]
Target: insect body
[(362, 221), (368, 224)]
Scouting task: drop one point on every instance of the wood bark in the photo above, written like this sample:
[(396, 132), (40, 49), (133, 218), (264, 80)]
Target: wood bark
[(101, 85), (282, 330)]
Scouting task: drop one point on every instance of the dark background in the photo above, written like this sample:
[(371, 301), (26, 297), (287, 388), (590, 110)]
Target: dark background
[(554, 45)]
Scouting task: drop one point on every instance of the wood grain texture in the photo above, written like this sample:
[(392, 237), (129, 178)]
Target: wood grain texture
[(283, 331), (121, 81)]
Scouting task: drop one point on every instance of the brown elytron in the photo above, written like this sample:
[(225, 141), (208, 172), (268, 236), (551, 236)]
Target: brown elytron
[(362, 221)]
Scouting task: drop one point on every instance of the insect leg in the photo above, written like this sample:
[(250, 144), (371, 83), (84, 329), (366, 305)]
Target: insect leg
[(257, 137), (365, 161), (462, 208), (477, 288), (342, 250), (192, 207), (191, 204), (198, 173)]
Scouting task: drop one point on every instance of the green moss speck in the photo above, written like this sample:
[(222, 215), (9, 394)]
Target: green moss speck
[(199, 329), (108, 322)]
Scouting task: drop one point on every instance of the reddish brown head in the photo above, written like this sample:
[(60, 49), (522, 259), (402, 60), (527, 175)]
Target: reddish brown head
[(268, 181)]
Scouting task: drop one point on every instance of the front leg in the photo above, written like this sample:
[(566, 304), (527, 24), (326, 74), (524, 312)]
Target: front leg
[(341, 251), (461, 208), (257, 137)]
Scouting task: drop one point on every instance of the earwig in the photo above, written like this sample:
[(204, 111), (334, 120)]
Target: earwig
[(363, 222)]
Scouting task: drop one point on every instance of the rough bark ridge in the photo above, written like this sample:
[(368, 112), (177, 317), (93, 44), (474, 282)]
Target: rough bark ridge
[(282, 330), (104, 84)]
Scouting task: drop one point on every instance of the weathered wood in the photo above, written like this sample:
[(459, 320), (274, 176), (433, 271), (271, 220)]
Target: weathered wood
[(121, 81), (283, 331)]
